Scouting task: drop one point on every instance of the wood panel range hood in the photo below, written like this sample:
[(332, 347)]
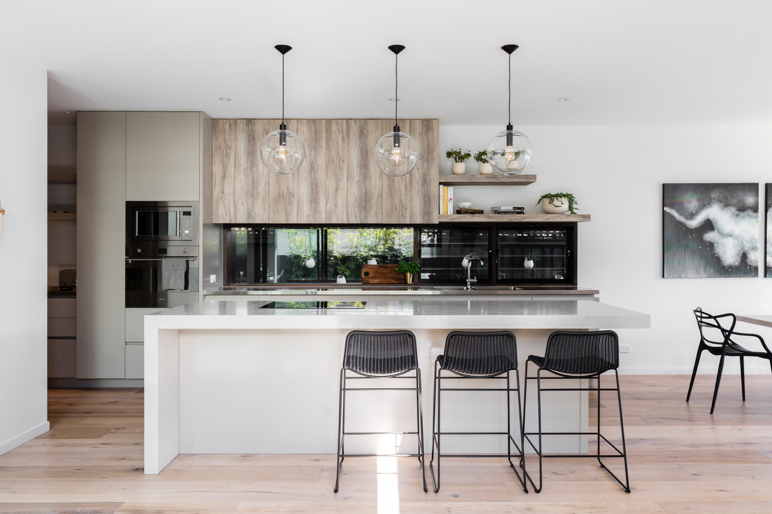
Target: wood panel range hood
[(339, 181)]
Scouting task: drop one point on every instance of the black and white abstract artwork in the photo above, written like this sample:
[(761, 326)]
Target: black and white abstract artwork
[(710, 230), (768, 232)]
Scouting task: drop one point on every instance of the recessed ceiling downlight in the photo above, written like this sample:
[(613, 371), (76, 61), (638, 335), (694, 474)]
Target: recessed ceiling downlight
[(563, 99), (224, 99), (395, 99)]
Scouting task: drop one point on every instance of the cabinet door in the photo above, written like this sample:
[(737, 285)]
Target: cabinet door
[(162, 156), (299, 197), (413, 198), (100, 235), (354, 183), (241, 191)]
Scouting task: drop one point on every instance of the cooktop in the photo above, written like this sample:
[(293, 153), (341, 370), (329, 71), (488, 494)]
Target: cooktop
[(314, 305)]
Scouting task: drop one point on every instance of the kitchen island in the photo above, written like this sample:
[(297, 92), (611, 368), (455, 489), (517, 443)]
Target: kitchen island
[(237, 377)]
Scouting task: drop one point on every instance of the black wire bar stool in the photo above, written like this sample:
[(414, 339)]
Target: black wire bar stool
[(378, 355), (719, 340), (577, 355), (477, 355)]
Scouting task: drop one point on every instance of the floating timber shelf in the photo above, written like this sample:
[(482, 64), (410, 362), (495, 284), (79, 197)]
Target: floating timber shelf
[(62, 216), (514, 218), (486, 180)]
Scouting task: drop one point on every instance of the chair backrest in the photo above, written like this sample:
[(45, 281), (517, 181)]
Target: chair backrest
[(380, 353), (582, 353), (480, 353), (712, 330)]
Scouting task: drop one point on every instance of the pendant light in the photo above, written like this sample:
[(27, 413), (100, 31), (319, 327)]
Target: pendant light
[(510, 151), (282, 151), (396, 153)]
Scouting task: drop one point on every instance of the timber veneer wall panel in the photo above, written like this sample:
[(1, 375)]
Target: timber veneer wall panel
[(241, 182), (300, 197), (354, 183)]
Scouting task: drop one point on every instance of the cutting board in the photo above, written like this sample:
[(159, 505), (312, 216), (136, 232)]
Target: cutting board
[(381, 274)]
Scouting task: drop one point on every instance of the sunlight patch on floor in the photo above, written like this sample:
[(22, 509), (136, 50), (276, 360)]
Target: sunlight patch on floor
[(388, 474)]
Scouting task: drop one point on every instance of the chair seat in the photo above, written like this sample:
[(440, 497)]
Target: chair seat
[(492, 365), (379, 366), (735, 350), (592, 363)]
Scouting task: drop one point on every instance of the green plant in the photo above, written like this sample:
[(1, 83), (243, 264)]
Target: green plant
[(411, 267), (515, 154), (533, 254), (558, 273), (481, 156), (342, 270), (458, 155), (552, 197)]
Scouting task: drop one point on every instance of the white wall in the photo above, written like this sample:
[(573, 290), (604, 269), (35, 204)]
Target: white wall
[(617, 173), (23, 393)]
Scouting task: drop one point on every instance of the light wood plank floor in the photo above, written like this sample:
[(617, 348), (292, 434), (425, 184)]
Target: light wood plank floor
[(682, 460)]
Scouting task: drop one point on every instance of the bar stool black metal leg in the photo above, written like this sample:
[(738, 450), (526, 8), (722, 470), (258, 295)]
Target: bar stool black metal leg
[(420, 431), (694, 373), (510, 439), (626, 485), (435, 434), (339, 461), (718, 381), (525, 437), (742, 374)]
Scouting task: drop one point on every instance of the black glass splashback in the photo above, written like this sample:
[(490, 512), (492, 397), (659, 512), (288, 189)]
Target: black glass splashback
[(533, 255), (442, 251)]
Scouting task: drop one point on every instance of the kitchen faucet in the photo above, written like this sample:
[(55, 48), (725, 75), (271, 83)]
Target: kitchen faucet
[(467, 263)]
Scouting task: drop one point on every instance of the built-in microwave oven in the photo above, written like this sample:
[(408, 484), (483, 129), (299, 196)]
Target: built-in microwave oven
[(161, 223)]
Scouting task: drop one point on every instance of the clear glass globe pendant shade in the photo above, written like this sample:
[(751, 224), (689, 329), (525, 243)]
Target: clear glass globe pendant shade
[(509, 152), (282, 152), (396, 154)]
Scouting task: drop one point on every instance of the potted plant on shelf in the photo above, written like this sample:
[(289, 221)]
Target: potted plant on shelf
[(341, 275), (531, 257), (557, 274), (459, 156), (558, 203), (482, 158), (408, 268)]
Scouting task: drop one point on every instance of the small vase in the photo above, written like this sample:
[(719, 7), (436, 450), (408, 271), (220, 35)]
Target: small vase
[(408, 278), (372, 262), (486, 168), (560, 206), (310, 263), (528, 263), (341, 279), (458, 168)]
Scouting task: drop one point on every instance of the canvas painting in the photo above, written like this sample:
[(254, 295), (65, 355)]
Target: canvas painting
[(710, 230), (768, 232)]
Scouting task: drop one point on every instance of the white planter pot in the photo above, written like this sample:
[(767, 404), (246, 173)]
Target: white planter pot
[(560, 207), (310, 263), (341, 279), (528, 263), (486, 168), (458, 168), (372, 261)]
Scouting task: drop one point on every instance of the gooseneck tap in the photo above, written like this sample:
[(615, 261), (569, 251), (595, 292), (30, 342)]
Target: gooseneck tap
[(467, 264)]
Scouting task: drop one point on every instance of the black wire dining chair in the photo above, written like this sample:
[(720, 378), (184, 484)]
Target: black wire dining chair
[(478, 355), (379, 355), (717, 337), (576, 355)]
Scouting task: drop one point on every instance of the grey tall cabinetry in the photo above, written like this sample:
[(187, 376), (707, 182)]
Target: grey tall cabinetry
[(101, 225), (125, 156)]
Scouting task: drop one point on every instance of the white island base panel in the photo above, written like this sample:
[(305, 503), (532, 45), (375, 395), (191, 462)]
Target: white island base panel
[(229, 377)]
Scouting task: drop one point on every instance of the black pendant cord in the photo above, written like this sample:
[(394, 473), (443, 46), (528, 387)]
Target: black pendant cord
[(282, 89), (396, 89), (509, 105)]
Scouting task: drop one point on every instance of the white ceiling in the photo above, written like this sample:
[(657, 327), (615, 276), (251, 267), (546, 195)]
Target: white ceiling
[(621, 62)]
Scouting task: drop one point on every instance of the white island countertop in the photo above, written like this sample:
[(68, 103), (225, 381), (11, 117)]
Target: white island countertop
[(211, 365), (385, 315)]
